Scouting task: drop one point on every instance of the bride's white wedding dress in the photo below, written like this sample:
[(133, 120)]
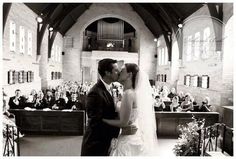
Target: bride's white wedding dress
[(128, 145), (142, 115)]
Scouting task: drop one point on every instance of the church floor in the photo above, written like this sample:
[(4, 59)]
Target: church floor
[(71, 146)]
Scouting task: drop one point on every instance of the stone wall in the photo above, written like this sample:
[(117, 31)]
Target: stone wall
[(14, 60), (218, 66)]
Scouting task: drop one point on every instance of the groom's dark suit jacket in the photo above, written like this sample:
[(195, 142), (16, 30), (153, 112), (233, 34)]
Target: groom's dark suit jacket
[(98, 135)]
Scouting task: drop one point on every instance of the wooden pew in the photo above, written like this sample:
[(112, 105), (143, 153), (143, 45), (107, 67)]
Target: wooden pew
[(168, 122), (55, 122)]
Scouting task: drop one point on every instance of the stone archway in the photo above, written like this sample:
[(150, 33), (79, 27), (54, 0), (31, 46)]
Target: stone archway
[(110, 16), (91, 59), (144, 38)]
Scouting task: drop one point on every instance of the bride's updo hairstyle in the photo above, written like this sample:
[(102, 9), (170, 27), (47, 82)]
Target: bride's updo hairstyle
[(133, 68)]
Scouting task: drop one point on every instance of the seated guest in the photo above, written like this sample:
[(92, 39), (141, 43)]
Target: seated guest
[(31, 98), (5, 106), (17, 101), (181, 96), (74, 103), (159, 104), (60, 102), (68, 94), (63, 95), (172, 93), (40, 102), (175, 103), (205, 107), (187, 104), (155, 91), (193, 101), (164, 97), (49, 100), (164, 88)]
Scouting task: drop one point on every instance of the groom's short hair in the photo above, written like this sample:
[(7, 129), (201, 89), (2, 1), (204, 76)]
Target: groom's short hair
[(105, 65)]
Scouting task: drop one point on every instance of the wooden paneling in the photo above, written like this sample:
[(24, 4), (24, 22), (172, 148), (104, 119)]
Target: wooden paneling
[(228, 115)]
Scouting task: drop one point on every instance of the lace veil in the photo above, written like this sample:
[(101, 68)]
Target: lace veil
[(146, 113)]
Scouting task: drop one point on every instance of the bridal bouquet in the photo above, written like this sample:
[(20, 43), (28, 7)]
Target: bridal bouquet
[(187, 144)]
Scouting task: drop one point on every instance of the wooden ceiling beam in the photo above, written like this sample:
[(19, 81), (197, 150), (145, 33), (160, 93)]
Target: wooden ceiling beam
[(216, 11), (6, 9), (165, 25), (168, 38), (176, 12), (82, 7), (56, 22), (47, 12), (170, 12)]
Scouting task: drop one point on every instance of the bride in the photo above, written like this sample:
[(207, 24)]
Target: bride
[(137, 118)]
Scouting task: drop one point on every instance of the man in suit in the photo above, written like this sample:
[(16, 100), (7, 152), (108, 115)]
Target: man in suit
[(99, 105), (74, 103), (60, 102), (49, 100), (17, 101)]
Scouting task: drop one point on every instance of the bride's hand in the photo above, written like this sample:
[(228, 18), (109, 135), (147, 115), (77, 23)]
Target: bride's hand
[(129, 130), (104, 120)]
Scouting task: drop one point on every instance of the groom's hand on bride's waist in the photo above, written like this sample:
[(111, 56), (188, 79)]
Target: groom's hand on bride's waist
[(129, 130)]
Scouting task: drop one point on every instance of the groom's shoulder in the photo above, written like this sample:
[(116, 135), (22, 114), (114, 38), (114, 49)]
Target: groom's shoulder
[(95, 89)]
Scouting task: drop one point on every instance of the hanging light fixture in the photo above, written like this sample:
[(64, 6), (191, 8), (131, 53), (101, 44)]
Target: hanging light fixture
[(50, 28), (39, 19), (155, 39), (180, 25)]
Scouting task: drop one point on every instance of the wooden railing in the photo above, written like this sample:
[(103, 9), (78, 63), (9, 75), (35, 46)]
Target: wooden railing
[(216, 138)]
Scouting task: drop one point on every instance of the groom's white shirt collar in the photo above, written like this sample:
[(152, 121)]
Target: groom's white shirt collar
[(108, 87)]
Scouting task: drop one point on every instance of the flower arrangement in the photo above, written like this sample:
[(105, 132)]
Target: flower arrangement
[(187, 144)]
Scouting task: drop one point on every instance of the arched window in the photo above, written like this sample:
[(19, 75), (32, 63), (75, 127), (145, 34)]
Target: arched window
[(10, 77), (188, 52), (162, 56), (205, 81), (166, 56), (12, 36), (22, 39), (194, 80), (187, 80), (29, 44), (53, 53), (206, 43), (197, 47), (15, 77), (52, 75)]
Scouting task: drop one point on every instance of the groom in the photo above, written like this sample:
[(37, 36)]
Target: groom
[(99, 105)]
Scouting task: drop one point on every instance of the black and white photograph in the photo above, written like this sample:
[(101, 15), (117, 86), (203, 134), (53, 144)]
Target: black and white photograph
[(117, 78)]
